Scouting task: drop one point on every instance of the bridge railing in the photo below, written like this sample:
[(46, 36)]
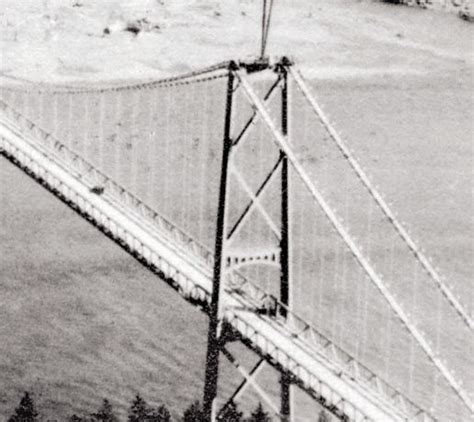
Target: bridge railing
[(109, 225), (300, 329), (138, 247), (296, 325), (99, 180), (310, 337)]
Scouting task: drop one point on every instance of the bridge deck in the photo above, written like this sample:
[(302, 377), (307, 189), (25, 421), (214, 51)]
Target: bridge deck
[(156, 246)]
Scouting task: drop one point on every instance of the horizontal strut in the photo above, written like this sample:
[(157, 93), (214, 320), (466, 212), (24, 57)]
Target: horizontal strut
[(380, 201), (356, 252)]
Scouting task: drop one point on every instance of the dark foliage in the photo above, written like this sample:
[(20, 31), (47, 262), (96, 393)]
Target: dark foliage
[(140, 412), (230, 414), (160, 414), (26, 411), (105, 413), (259, 415), (193, 413)]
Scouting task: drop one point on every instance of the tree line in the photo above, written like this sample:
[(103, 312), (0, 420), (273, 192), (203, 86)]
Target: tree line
[(141, 411)]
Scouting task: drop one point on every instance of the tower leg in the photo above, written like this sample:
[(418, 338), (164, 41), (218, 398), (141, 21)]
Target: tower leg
[(213, 338), (285, 381)]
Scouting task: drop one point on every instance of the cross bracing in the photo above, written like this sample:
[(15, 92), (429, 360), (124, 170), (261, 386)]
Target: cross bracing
[(313, 361)]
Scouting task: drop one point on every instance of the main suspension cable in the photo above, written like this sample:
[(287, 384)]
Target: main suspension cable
[(429, 268), (266, 17)]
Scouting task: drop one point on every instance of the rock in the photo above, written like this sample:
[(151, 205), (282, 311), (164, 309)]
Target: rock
[(134, 26)]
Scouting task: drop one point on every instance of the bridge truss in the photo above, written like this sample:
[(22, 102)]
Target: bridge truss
[(256, 227)]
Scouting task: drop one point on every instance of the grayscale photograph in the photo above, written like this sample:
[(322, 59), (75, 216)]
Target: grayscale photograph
[(236, 210)]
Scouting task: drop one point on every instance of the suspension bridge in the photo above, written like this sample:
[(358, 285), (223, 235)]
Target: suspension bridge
[(232, 185)]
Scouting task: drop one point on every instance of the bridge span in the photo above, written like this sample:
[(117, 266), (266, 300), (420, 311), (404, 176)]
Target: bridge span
[(307, 357)]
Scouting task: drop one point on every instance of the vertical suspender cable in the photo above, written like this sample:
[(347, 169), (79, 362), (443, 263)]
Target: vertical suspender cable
[(334, 284), (168, 158), (439, 325), (382, 204), (280, 140), (412, 357), (40, 119), (203, 146), (187, 142), (85, 125), (69, 131), (389, 321), (54, 124), (153, 140), (27, 106), (101, 117), (118, 138), (134, 148), (259, 231)]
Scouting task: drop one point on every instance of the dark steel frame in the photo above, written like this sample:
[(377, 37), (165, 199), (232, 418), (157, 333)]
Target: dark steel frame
[(216, 332)]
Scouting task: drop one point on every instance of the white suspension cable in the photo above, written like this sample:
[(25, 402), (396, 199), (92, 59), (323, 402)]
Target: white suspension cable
[(153, 140), (381, 202), (389, 321), (255, 200), (203, 146), (374, 277), (40, 119), (412, 366), (301, 266), (322, 254), (186, 142), (248, 209), (439, 325), (54, 125), (261, 228), (69, 133), (168, 159), (364, 301), (321, 277), (334, 285), (85, 126), (27, 106), (344, 263), (254, 118), (101, 117), (118, 139), (133, 159), (368, 249), (316, 296)]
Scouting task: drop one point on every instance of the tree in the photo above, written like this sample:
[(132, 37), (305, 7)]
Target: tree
[(193, 413), (259, 415), (230, 414), (26, 411), (105, 413), (160, 414), (324, 417), (139, 410)]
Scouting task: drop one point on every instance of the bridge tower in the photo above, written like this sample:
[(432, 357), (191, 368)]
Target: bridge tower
[(219, 332)]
